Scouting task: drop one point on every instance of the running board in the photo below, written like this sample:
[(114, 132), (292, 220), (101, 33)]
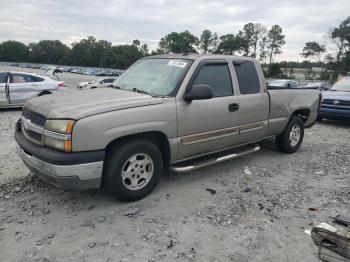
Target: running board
[(181, 168)]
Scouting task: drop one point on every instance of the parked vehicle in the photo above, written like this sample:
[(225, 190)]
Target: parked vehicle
[(16, 88), (322, 86), (103, 82), (283, 83), (336, 101), (178, 111)]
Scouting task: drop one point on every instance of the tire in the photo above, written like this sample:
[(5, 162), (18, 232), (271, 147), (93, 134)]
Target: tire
[(292, 137), (132, 169), (93, 87)]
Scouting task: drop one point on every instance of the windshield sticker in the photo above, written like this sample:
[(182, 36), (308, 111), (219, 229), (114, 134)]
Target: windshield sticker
[(180, 64)]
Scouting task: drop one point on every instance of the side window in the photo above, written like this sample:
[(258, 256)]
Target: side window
[(218, 77), (19, 78), (108, 80), (3, 78), (248, 78)]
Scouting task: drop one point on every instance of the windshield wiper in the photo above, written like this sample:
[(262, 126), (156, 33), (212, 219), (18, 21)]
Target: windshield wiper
[(141, 91)]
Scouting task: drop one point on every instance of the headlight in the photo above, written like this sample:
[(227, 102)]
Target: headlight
[(58, 134), (64, 126)]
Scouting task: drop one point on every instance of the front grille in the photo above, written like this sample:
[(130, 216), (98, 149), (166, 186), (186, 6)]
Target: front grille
[(338, 102), (32, 136), (36, 118)]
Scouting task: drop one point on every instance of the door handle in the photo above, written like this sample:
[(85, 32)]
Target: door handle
[(233, 107)]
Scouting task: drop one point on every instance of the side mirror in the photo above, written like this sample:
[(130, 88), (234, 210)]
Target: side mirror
[(198, 92)]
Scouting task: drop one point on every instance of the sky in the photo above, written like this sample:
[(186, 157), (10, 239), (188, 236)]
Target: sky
[(121, 21)]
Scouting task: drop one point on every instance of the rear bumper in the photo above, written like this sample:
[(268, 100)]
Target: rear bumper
[(79, 171)]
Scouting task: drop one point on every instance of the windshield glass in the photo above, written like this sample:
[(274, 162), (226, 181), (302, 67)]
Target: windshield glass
[(158, 77), (342, 85)]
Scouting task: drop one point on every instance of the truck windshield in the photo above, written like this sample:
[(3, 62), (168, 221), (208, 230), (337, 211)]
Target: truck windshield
[(342, 85), (159, 77)]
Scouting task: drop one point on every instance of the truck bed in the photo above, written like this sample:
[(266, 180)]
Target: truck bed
[(284, 102)]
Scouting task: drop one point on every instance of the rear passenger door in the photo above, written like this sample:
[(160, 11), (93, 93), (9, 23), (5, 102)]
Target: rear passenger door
[(23, 87), (208, 125), (253, 103)]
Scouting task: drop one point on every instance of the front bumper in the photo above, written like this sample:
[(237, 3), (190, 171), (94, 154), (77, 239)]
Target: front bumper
[(334, 113), (69, 173)]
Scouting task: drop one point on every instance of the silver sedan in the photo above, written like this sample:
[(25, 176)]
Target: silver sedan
[(18, 87)]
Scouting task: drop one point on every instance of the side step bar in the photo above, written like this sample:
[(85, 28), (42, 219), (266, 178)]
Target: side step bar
[(203, 163)]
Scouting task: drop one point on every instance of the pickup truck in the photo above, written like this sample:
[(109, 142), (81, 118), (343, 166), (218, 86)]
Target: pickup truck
[(180, 112)]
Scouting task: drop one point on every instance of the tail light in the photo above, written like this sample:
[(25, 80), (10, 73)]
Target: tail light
[(62, 84)]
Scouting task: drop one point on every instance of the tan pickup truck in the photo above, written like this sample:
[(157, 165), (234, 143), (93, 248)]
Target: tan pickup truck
[(180, 112)]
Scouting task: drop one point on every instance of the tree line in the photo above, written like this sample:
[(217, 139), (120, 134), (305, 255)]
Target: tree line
[(253, 40)]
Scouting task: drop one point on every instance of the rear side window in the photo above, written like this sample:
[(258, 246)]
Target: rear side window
[(23, 78), (247, 77), (218, 77), (3, 78)]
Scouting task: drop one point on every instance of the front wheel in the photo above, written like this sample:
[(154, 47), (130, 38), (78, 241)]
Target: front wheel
[(133, 169), (292, 137)]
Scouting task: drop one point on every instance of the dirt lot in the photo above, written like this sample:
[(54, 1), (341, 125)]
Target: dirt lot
[(251, 209)]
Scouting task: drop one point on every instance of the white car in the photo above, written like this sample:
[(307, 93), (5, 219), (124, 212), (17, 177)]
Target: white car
[(103, 82), (18, 87)]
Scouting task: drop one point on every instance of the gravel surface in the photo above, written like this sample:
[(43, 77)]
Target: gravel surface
[(255, 208)]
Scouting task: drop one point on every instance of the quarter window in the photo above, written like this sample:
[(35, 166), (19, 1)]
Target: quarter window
[(248, 78), (218, 77)]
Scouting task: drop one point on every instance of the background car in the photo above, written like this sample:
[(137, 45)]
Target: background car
[(282, 83), (322, 86), (336, 101), (103, 82), (16, 88)]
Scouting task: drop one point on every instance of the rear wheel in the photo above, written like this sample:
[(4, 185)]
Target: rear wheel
[(133, 169), (44, 93), (292, 137)]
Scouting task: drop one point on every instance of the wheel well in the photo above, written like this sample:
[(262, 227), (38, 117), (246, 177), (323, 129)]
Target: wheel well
[(44, 93), (158, 138), (302, 113)]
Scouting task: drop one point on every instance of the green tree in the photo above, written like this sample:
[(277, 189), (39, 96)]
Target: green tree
[(253, 33), (275, 41), (183, 42), (136, 42), (89, 52), (230, 44), (340, 37), (313, 50), (49, 52), (274, 70), (208, 41), (13, 51), (263, 52)]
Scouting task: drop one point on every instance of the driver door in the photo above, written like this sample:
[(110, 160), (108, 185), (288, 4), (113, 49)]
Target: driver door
[(209, 125), (4, 91)]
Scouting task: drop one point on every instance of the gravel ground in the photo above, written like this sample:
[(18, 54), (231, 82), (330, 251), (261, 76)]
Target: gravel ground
[(255, 208)]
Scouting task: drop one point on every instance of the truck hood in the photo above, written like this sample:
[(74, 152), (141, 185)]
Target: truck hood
[(78, 104), (337, 95)]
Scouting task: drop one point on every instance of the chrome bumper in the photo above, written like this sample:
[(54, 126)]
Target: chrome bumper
[(82, 176)]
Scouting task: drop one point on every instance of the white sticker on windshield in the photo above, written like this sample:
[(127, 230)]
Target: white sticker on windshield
[(180, 64)]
